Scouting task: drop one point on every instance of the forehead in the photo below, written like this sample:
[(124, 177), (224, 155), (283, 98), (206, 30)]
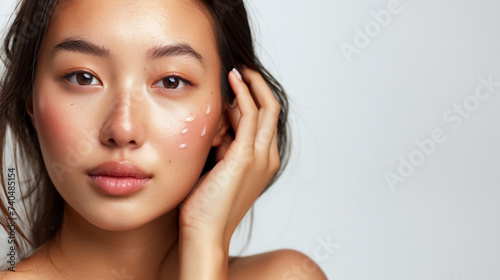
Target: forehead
[(134, 25)]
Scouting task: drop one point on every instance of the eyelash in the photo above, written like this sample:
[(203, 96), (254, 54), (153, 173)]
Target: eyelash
[(68, 76), (176, 76)]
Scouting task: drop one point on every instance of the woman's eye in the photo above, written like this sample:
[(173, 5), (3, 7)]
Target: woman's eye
[(83, 79), (172, 83)]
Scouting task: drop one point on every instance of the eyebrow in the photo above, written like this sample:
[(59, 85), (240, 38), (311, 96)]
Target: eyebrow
[(74, 44), (174, 50), (81, 46)]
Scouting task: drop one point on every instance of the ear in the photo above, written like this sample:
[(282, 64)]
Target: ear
[(222, 130), (29, 110)]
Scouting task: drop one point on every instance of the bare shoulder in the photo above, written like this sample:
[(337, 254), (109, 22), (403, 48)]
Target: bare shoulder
[(282, 264)]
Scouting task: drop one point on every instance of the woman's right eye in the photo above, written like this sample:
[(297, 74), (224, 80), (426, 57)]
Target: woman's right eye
[(82, 79)]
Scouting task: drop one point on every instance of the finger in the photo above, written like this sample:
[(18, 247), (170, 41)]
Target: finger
[(269, 108), (273, 149), (247, 125), (234, 114), (274, 155)]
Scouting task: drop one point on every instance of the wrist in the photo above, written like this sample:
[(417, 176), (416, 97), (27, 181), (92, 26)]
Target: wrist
[(205, 239), (202, 257)]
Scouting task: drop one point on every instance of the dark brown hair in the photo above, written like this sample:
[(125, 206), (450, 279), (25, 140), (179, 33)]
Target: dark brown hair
[(43, 204)]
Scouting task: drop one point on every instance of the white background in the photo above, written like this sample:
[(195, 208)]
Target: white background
[(351, 123)]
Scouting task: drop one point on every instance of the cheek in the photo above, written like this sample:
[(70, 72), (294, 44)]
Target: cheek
[(54, 122), (184, 147), (197, 128)]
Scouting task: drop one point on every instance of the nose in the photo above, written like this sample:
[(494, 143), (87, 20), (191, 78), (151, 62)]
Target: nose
[(123, 126)]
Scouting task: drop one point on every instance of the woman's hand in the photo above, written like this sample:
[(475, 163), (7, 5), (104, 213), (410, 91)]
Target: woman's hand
[(222, 197)]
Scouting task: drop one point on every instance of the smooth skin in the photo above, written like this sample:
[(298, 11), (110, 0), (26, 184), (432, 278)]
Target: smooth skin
[(117, 104)]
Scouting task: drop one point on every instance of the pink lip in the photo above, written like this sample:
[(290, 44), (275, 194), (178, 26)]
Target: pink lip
[(119, 178)]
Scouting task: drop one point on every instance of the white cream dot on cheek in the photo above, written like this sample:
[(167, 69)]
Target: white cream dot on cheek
[(204, 131), (207, 112), (189, 119)]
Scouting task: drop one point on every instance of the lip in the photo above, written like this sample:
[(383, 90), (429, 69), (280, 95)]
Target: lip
[(119, 178)]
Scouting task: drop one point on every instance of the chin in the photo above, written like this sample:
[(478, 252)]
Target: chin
[(119, 215)]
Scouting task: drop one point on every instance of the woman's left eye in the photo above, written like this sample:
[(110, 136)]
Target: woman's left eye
[(83, 79), (172, 82)]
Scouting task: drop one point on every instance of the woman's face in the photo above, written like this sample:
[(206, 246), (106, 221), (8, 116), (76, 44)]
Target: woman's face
[(133, 85)]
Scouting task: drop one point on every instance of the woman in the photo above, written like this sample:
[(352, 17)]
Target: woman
[(146, 149)]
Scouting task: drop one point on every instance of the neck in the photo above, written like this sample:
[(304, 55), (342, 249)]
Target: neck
[(84, 250)]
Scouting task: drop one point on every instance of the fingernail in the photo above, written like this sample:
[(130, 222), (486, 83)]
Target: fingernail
[(237, 73)]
